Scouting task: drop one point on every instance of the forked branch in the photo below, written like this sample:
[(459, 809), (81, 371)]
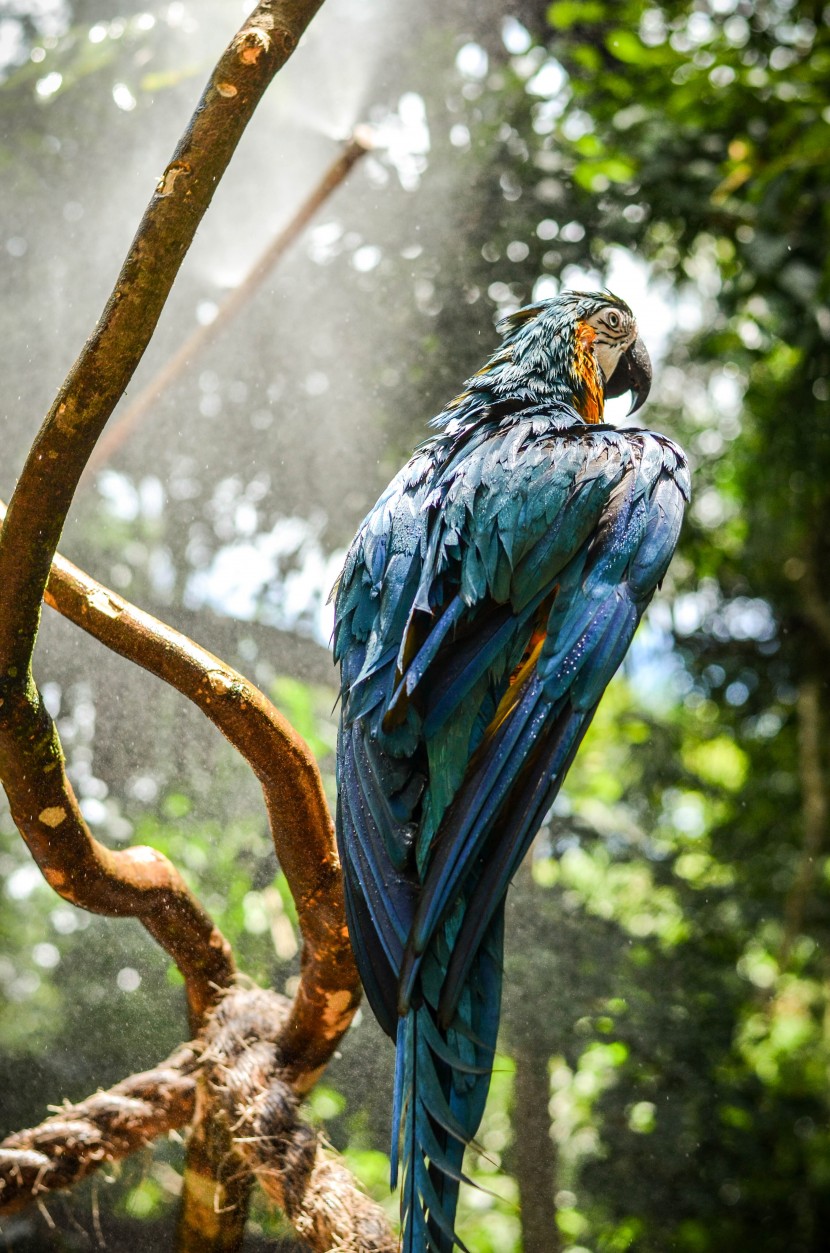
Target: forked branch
[(298, 813), (137, 882), (134, 882), (278, 1047)]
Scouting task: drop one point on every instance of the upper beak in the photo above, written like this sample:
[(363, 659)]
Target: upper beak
[(633, 374)]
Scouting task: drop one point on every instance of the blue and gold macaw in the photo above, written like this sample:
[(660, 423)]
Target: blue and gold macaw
[(484, 604)]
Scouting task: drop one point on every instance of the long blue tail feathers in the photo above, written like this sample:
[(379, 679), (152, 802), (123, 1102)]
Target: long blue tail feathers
[(442, 1077)]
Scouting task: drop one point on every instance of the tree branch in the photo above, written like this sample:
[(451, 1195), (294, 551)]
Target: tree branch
[(106, 1127), (135, 882), (329, 988), (311, 1187), (236, 1058), (298, 813), (116, 434), (140, 882), (98, 378), (535, 1153)]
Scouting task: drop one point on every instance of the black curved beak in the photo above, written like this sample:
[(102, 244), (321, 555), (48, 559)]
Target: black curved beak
[(633, 374)]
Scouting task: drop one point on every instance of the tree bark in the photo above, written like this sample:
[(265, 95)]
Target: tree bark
[(140, 882), (216, 1188), (813, 809), (136, 882), (298, 814), (534, 1154)]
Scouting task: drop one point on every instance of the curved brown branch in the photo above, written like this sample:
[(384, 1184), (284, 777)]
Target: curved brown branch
[(134, 882), (117, 433), (137, 882), (140, 882), (98, 378), (301, 825), (236, 1059)]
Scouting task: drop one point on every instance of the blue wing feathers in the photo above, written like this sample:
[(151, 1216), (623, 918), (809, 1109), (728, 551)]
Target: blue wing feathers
[(461, 671), (520, 823), (387, 835), (665, 516), (485, 604), (389, 929)]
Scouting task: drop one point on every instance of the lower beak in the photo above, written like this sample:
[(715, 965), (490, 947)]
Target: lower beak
[(633, 374)]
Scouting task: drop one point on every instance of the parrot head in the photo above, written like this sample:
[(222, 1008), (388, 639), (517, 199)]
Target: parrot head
[(620, 353), (578, 347)]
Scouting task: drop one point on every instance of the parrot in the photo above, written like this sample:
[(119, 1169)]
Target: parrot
[(483, 606)]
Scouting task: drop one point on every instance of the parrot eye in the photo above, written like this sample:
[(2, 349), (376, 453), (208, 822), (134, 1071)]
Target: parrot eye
[(613, 320)]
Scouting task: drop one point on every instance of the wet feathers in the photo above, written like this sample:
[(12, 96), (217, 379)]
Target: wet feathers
[(485, 603)]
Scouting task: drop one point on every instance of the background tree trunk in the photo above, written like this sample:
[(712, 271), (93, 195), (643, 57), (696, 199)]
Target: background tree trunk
[(534, 1154)]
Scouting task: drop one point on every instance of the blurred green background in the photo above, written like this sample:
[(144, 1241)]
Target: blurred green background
[(663, 1080)]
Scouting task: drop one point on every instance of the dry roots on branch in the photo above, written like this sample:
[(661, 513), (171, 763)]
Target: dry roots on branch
[(236, 1058), (105, 1128)]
